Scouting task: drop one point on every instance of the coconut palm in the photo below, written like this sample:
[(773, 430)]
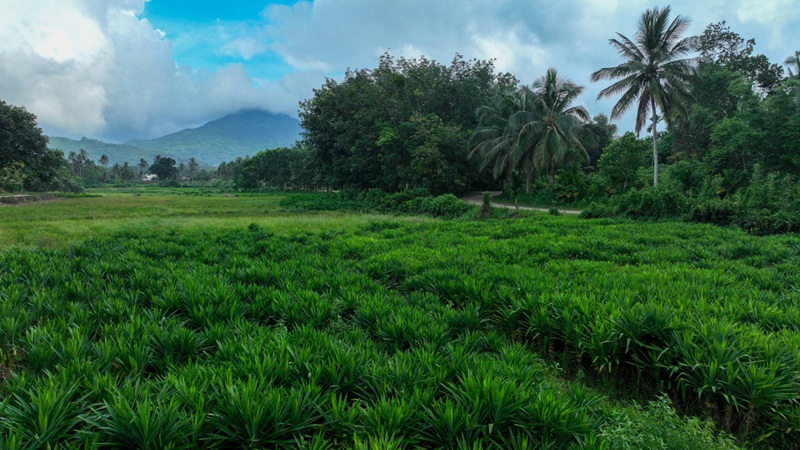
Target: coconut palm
[(793, 62), (496, 136), (552, 131), (657, 72), (531, 128)]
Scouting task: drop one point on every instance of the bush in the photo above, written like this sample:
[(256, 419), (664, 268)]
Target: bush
[(715, 210), (659, 426), (448, 206), (648, 203), (410, 201)]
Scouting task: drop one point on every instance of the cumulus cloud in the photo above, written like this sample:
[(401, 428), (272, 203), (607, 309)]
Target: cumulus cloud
[(100, 68), (88, 67)]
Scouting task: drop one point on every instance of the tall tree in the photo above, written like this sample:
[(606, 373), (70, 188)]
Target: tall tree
[(23, 147), (143, 165), (192, 168), (793, 62), (164, 168), (657, 72), (556, 125), (720, 46), (496, 135)]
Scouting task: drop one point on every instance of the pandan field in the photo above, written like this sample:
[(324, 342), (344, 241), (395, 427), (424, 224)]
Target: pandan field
[(158, 319)]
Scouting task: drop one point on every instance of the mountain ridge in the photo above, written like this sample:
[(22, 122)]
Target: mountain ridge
[(234, 135)]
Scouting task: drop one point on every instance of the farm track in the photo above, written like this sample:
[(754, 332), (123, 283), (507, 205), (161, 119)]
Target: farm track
[(477, 199)]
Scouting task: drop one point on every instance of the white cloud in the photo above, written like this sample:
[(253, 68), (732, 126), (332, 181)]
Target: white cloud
[(96, 67), (93, 67)]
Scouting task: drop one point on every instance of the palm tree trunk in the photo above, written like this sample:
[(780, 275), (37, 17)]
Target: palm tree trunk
[(528, 176), (553, 172), (655, 145)]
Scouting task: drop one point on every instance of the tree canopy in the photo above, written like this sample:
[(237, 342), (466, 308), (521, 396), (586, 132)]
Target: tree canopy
[(23, 147), (402, 125)]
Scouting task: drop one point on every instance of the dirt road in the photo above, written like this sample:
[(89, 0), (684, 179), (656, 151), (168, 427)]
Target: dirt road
[(477, 199)]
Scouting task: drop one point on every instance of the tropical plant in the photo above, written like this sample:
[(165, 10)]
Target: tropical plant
[(793, 62), (657, 72), (554, 131), (531, 128), (497, 135)]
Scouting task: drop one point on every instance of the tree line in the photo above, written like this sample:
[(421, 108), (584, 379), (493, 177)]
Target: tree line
[(723, 121)]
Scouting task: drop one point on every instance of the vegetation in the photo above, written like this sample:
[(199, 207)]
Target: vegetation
[(145, 317), (532, 129), (412, 127), (388, 331), (25, 161), (657, 72)]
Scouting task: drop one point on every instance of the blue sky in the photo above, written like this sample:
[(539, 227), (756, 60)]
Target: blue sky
[(198, 31), (122, 69)]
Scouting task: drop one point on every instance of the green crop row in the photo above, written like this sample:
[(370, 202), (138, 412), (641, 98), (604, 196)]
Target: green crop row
[(401, 335)]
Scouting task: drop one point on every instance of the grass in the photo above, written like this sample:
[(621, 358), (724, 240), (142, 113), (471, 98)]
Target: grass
[(68, 221)]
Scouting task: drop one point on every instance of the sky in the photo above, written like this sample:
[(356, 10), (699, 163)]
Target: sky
[(122, 69)]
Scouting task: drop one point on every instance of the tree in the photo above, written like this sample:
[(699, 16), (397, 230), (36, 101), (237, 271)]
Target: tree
[(103, 161), (556, 124), (621, 160), (143, 164), (367, 131), (793, 62), (532, 128), (722, 47), (495, 136), (164, 168), (657, 72), (22, 141), (192, 168), (601, 132)]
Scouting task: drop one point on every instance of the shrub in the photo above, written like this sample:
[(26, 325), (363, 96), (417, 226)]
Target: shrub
[(448, 206)]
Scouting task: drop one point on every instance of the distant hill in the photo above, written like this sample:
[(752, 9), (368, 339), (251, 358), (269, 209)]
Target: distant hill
[(117, 153), (240, 134)]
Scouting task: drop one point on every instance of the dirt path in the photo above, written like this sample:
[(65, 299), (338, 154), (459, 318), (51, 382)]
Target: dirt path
[(477, 199)]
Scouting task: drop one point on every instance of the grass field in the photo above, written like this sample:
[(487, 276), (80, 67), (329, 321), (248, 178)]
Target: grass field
[(55, 224), (154, 319)]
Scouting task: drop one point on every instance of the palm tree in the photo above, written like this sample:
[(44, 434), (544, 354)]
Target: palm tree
[(143, 165), (497, 135), (551, 132), (657, 72), (793, 62), (531, 128)]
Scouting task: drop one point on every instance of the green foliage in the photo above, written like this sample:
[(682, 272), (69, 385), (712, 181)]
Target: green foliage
[(164, 168), (412, 121), (648, 203), (659, 426), (415, 201), (23, 148), (415, 334), (12, 177), (448, 206), (281, 168), (657, 72), (720, 46), (621, 160), (531, 129)]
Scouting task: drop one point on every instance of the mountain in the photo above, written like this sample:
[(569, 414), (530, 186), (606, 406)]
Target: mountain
[(240, 134), (117, 153)]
